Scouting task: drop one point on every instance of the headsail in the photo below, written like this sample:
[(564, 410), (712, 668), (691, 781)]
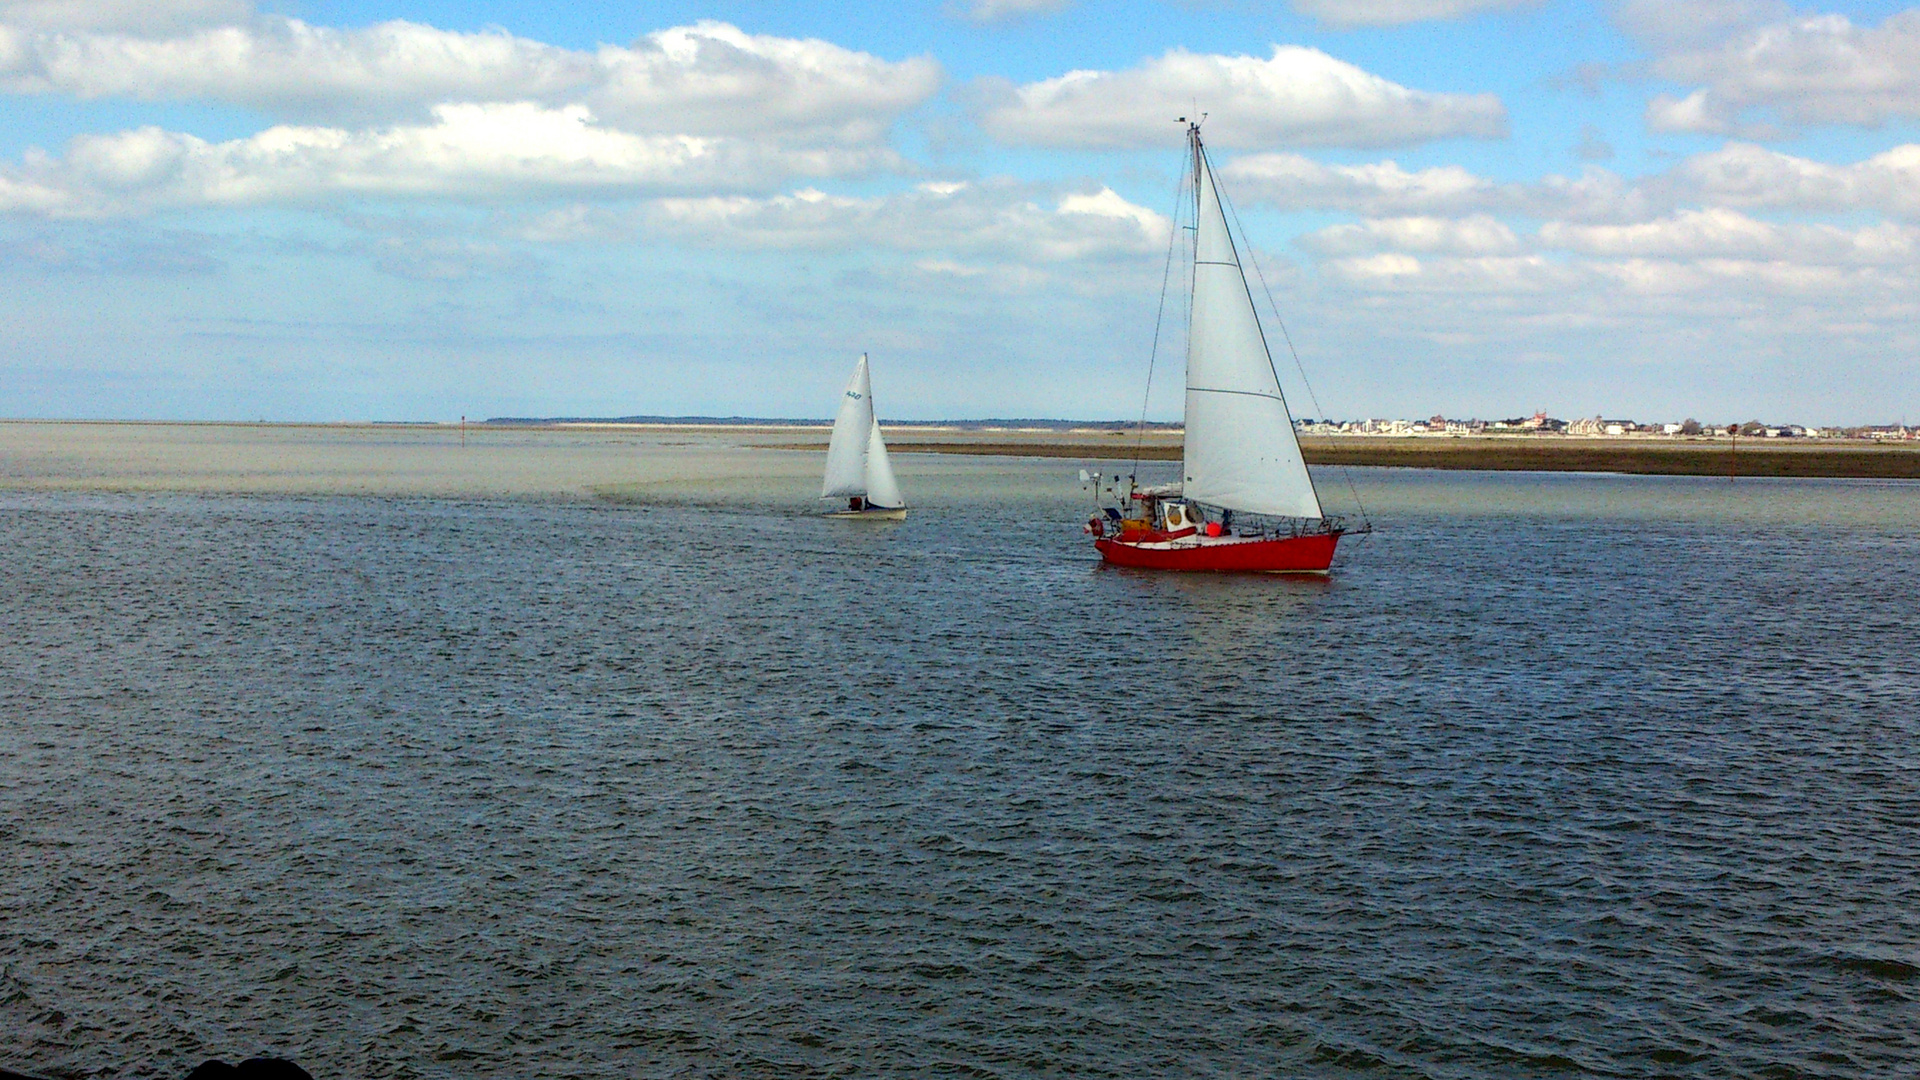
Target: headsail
[(1241, 452), (883, 491), (847, 449)]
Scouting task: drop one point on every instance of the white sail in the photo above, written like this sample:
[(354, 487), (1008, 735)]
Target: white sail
[(883, 491), (1241, 453), (847, 449)]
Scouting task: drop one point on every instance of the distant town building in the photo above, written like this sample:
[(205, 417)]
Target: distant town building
[(1594, 426)]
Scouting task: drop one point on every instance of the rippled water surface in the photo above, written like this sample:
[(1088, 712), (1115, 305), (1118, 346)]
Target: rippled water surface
[(1556, 776)]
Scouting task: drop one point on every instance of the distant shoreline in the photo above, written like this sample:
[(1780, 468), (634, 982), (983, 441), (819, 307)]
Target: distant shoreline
[(34, 454), (1835, 459)]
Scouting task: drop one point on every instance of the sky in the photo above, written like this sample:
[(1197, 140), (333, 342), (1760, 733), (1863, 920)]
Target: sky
[(371, 210)]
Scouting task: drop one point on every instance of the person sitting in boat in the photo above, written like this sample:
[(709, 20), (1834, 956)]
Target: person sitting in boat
[(857, 504)]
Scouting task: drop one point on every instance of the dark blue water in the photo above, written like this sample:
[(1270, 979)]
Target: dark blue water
[(408, 788)]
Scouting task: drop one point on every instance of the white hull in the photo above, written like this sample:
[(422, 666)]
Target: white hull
[(871, 515)]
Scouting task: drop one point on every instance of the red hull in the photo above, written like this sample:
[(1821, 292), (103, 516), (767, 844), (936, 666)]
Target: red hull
[(1282, 555)]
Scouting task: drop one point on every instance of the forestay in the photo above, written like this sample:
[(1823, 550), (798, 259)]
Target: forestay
[(1241, 452)]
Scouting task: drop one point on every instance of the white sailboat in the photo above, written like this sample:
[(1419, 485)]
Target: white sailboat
[(857, 466), (1245, 501)]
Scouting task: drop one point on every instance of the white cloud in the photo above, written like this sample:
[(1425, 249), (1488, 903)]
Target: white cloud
[(706, 79), (467, 151), (1718, 233), (288, 67), (1000, 10), (1105, 203), (20, 194), (1370, 268), (714, 78), (1711, 272), (1693, 113), (1385, 189), (1394, 12), (1742, 280), (1741, 174), (1002, 219), (1298, 96), (129, 16), (1291, 181), (1520, 297), (1666, 255), (993, 237), (1815, 70), (1476, 235)]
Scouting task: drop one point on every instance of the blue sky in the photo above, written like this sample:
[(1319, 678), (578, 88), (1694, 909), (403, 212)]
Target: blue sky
[(221, 209)]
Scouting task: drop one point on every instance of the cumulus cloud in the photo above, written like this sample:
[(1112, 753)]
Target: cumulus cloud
[(709, 78), (1742, 174), (1490, 296), (1816, 70), (1394, 12), (1720, 233), (714, 78), (288, 67), (1737, 176), (466, 151), (1385, 189), (1471, 260), (1743, 281), (1294, 182), (1466, 280), (1454, 275), (1000, 219), (1479, 234), (1298, 96), (129, 16)]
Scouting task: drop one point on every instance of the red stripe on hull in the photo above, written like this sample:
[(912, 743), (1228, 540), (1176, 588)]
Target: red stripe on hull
[(1284, 555)]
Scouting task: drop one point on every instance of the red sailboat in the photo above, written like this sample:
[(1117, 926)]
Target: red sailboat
[(1246, 501)]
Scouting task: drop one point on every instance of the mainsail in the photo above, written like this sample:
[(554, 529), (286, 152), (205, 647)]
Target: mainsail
[(854, 429), (1241, 453), (857, 462)]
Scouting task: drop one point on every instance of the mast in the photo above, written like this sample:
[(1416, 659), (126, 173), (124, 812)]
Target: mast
[(1241, 452)]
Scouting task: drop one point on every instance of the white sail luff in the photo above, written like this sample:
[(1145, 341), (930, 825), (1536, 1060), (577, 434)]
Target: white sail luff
[(846, 474), (1241, 452), (883, 491)]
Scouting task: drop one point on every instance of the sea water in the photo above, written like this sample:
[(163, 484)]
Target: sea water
[(1554, 776)]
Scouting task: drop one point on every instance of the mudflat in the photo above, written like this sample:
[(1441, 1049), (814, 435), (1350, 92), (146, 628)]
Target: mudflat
[(597, 460), (1689, 457), (399, 460)]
